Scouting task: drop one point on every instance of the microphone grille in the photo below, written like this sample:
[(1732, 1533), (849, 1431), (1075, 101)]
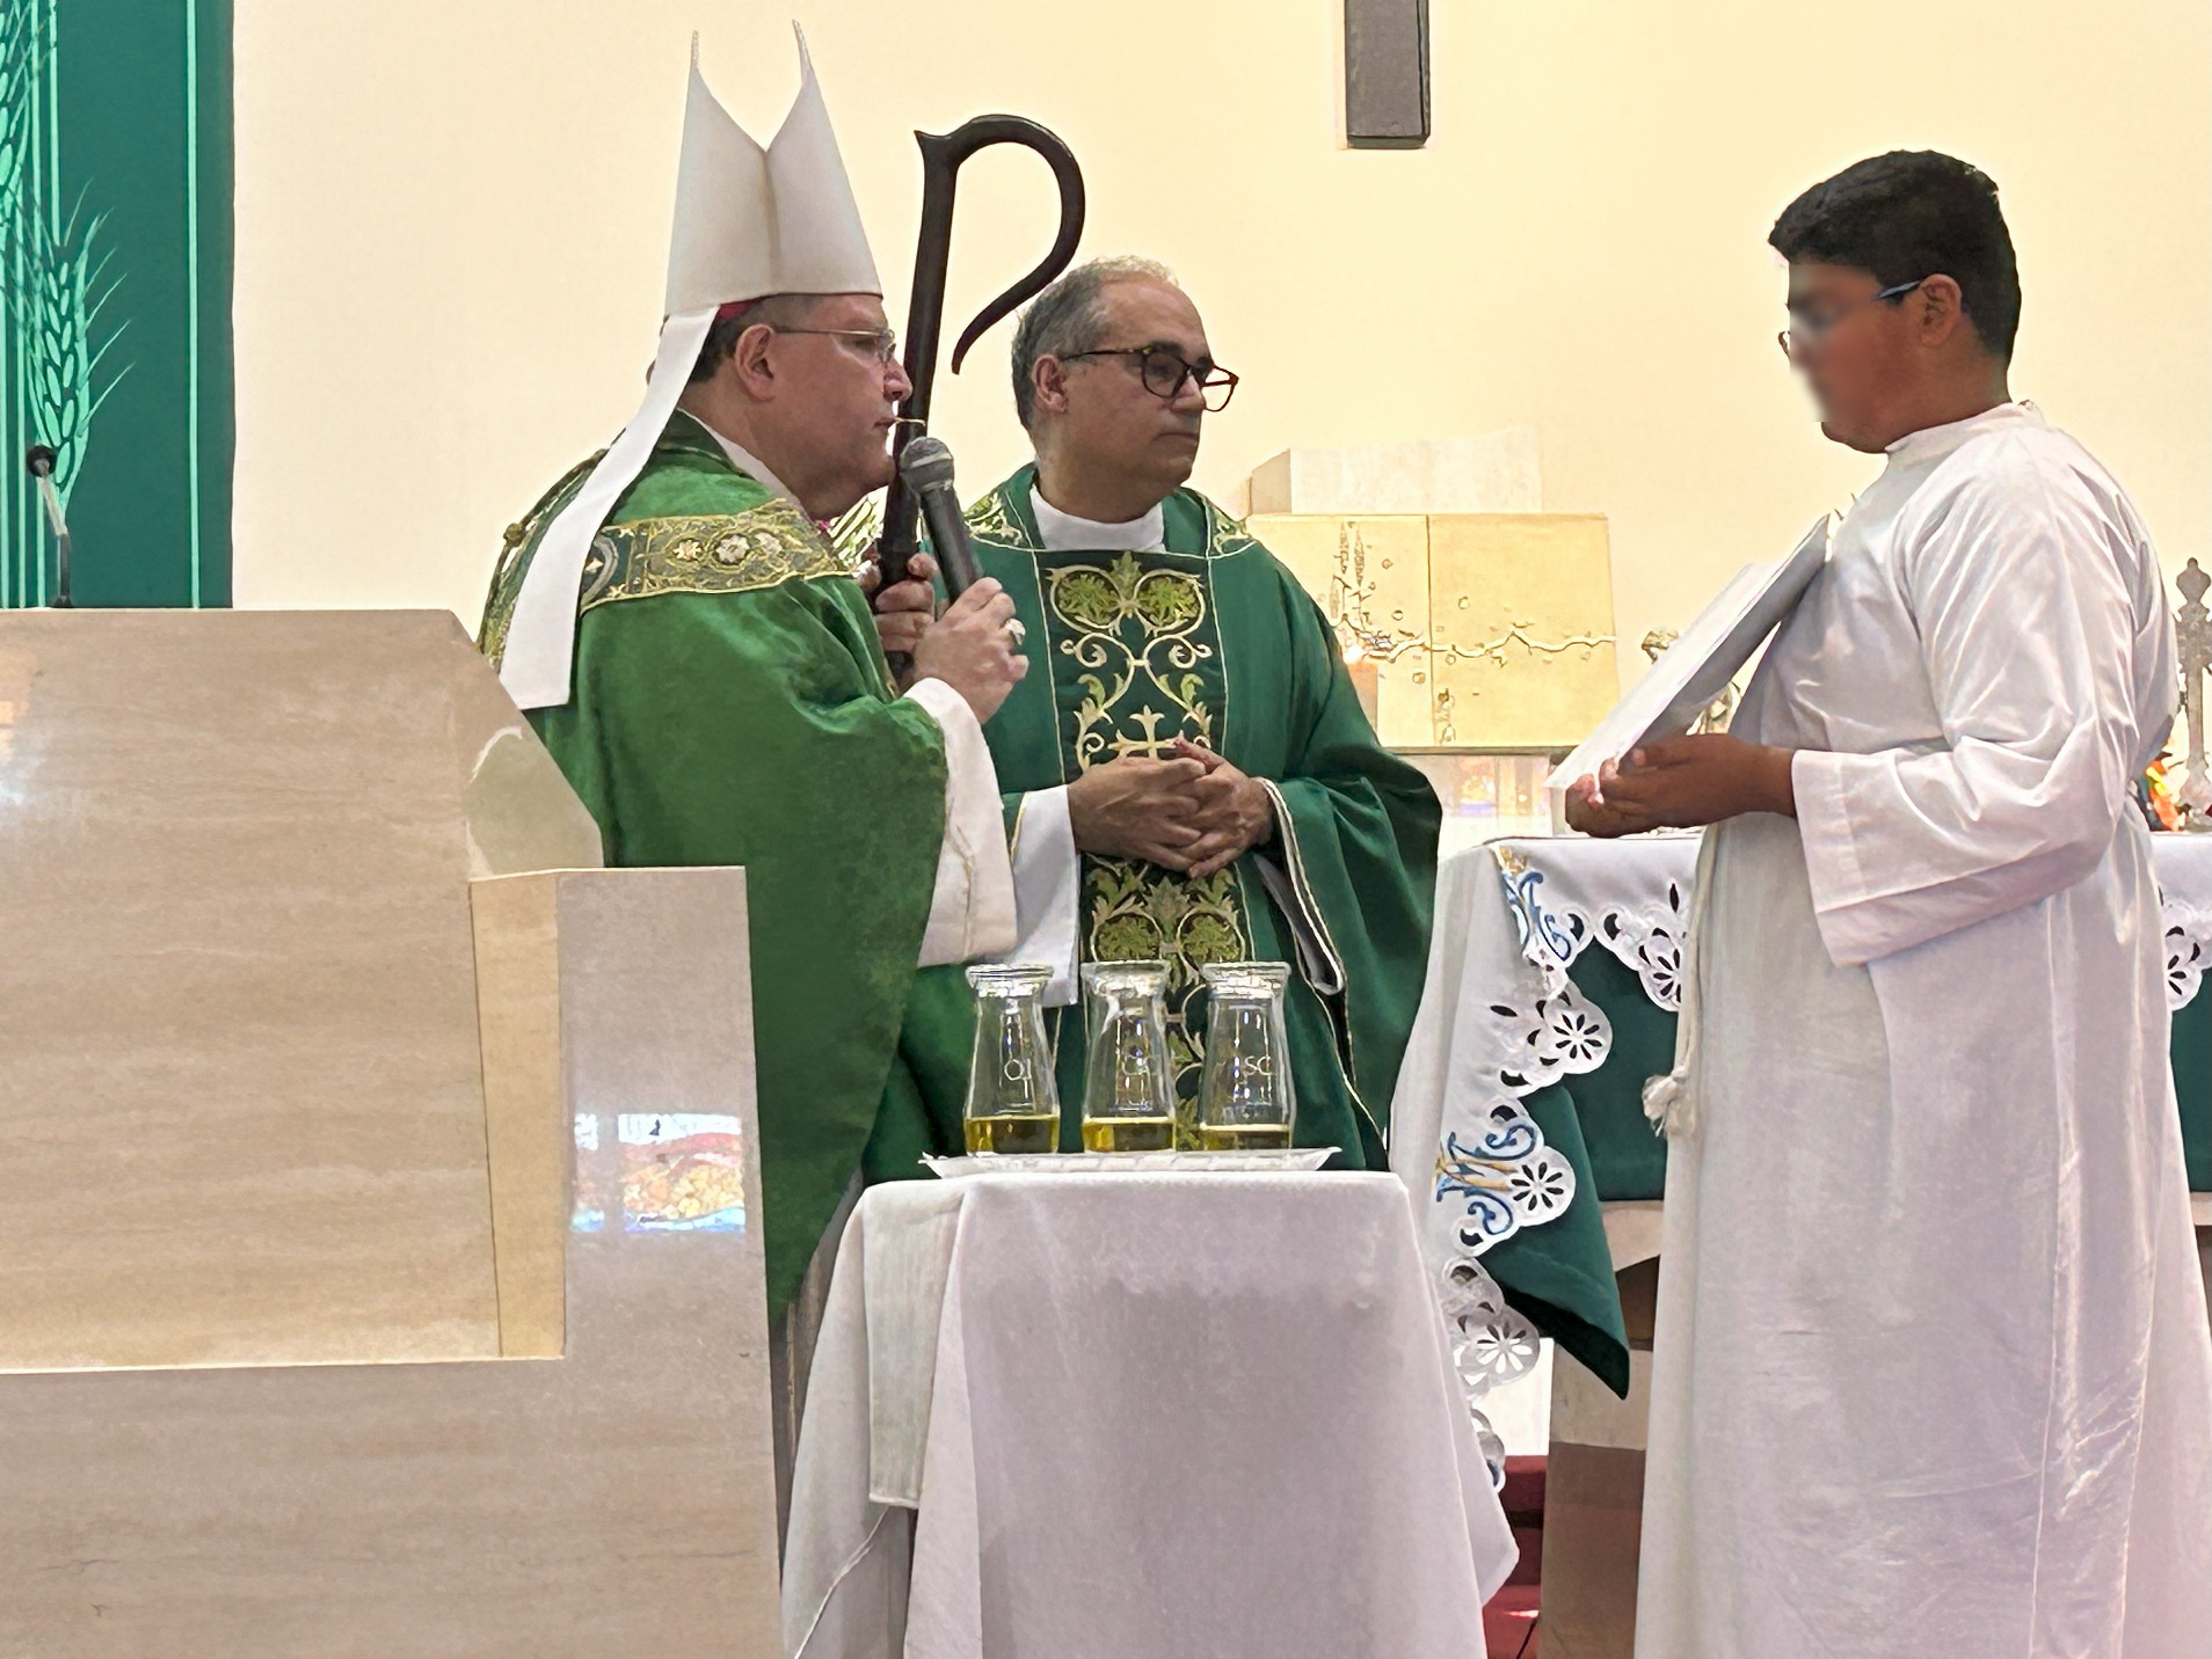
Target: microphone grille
[(925, 463)]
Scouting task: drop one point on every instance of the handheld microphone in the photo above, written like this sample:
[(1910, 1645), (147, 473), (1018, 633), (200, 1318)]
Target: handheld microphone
[(38, 460), (926, 465)]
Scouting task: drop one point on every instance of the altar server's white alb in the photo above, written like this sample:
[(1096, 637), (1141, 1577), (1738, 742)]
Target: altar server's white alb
[(1933, 1374), (749, 221)]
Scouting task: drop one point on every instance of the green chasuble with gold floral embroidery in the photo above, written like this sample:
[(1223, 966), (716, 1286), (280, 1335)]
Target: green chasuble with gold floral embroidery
[(1215, 640), (731, 706)]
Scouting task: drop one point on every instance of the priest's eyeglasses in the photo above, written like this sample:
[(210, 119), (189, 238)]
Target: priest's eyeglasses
[(882, 343), (1808, 330), (1164, 372)]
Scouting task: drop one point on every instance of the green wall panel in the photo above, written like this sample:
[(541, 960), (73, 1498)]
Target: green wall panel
[(115, 204)]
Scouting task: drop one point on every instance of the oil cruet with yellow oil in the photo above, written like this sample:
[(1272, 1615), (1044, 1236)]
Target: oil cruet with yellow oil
[(1128, 1085), (1013, 1103), (1246, 1103)]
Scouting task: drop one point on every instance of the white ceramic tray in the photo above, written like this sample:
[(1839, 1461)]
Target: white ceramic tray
[(1295, 1160)]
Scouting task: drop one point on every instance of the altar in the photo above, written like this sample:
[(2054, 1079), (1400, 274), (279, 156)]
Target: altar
[(1520, 1011)]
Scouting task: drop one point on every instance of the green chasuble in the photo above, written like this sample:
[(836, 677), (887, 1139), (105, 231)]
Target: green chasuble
[(731, 706), (1215, 640)]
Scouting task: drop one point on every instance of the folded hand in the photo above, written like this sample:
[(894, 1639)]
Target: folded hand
[(1234, 812), (1137, 808)]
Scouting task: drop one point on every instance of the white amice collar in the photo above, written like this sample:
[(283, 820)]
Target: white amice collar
[(1064, 532), (746, 462)]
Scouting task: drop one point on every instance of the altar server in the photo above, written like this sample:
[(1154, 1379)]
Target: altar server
[(1932, 1370), (701, 661)]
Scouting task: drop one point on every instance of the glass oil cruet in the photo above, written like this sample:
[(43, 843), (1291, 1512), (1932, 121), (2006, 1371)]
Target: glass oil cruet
[(1245, 1100), (1128, 1081), (1013, 1104)]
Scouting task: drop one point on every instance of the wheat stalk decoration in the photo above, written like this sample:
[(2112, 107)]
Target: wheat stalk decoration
[(15, 49), (55, 307), (54, 274)]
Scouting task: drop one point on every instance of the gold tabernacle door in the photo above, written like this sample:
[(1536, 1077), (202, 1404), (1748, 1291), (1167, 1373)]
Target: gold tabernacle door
[(379, 1258)]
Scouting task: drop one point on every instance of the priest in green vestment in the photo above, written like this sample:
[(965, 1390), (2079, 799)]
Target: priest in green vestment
[(700, 659), (1189, 773)]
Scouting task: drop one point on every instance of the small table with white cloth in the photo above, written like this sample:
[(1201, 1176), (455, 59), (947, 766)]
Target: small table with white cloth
[(1117, 1415)]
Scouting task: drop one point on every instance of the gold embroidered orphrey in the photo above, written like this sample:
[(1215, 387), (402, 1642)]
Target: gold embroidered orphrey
[(696, 553), (716, 553), (1145, 644)]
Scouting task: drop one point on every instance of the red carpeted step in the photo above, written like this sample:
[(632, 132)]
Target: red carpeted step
[(1523, 1500), (1509, 1623), (1524, 1489)]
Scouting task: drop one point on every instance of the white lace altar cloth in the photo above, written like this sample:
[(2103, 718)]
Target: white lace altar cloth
[(1501, 1018)]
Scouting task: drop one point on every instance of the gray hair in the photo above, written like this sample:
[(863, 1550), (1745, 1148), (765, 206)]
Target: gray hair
[(1069, 317), (777, 310)]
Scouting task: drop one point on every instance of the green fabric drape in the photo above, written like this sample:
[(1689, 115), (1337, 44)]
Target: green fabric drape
[(1560, 1275), (2191, 1049), (732, 706), (115, 335)]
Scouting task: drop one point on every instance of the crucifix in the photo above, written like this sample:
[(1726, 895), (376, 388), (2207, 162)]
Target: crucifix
[(1386, 74), (2193, 638)]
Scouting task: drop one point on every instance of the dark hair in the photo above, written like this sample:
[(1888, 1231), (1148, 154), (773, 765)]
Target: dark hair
[(1909, 214), (1070, 316), (777, 310)]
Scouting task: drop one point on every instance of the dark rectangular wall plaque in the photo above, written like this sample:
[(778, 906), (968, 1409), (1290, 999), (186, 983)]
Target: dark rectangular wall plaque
[(1386, 74)]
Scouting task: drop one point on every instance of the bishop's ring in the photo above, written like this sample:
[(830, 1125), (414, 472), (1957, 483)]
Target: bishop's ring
[(1015, 632)]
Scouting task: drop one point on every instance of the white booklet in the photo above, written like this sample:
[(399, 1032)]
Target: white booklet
[(1695, 670)]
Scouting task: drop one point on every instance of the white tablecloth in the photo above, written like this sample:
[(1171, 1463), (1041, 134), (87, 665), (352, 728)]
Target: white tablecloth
[(1144, 1417)]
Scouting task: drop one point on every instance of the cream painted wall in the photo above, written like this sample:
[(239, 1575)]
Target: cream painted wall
[(453, 218)]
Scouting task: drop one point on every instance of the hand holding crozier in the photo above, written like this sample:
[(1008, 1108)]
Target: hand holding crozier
[(905, 610)]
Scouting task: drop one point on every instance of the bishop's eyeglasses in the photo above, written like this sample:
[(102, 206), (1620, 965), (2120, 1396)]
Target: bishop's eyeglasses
[(1164, 370), (880, 344)]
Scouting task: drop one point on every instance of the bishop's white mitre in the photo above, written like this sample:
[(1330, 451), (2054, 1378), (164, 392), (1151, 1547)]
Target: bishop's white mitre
[(750, 223)]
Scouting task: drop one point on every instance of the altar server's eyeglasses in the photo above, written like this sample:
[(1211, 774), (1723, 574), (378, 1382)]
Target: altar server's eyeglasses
[(1808, 329), (882, 343), (1164, 372)]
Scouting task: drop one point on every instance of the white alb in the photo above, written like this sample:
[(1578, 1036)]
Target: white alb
[(1932, 1371)]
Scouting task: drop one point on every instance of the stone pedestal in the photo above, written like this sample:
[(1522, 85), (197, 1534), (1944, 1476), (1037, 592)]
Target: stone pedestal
[(380, 1273)]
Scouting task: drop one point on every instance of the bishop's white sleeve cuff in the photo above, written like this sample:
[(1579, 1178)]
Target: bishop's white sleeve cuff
[(1047, 883), (971, 910)]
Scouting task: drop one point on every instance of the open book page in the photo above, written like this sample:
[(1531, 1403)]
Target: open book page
[(1696, 668)]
